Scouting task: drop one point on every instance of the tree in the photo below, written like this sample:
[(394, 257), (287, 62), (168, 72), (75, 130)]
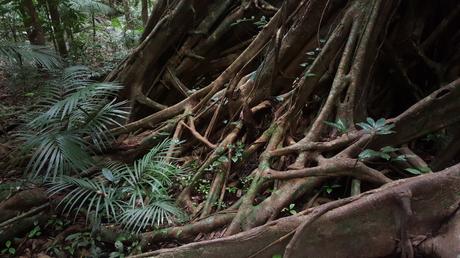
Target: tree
[(272, 79), (58, 30), (34, 27), (284, 128), (145, 11)]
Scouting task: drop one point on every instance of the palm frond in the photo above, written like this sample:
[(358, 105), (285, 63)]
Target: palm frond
[(81, 99), (56, 153), (136, 196), (153, 215), (40, 56), (93, 195), (99, 120), (151, 174), (74, 107)]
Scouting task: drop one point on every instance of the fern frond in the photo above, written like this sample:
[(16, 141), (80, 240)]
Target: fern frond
[(155, 214), (81, 99), (36, 55), (55, 153), (151, 174), (93, 195), (99, 120)]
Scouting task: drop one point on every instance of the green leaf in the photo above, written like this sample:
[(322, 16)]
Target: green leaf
[(388, 149), (413, 171), (108, 174), (116, 23), (119, 245), (36, 55), (367, 153), (365, 127), (425, 169), (339, 125), (371, 121), (377, 127), (400, 158), (277, 256), (308, 74), (8, 243), (222, 159), (379, 123)]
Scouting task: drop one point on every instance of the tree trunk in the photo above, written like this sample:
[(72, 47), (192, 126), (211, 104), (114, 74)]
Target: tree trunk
[(145, 12), (32, 23), (384, 222), (127, 13), (271, 78), (57, 27)]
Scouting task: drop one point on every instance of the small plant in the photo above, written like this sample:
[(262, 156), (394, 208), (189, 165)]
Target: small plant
[(78, 241), (55, 223), (38, 56), (35, 232), (379, 127), (330, 188), (262, 22), (8, 248), (74, 108), (135, 196), (121, 248), (204, 186), (290, 209), (232, 189), (384, 153), (246, 181), (339, 125), (238, 151)]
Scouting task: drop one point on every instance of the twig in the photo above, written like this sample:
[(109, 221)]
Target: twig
[(25, 214)]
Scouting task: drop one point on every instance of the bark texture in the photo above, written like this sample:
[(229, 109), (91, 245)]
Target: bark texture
[(270, 77)]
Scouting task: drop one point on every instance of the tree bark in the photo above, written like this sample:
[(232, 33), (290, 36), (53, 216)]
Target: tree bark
[(145, 12), (218, 75), (32, 23), (384, 222), (57, 27)]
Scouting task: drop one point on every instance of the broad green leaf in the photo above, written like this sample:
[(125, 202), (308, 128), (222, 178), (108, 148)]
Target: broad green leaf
[(108, 174)]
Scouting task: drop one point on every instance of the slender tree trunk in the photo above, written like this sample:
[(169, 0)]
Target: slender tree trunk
[(127, 13), (57, 27), (145, 12)]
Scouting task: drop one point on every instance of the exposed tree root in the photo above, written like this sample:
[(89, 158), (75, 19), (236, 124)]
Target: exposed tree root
[(272, 92), (351, 228)]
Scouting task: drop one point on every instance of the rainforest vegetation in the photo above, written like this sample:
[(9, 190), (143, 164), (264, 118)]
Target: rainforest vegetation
[(230, 128)]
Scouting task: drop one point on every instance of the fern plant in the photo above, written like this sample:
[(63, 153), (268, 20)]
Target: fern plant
[(39, 56), (75, 114), (135, 196)]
